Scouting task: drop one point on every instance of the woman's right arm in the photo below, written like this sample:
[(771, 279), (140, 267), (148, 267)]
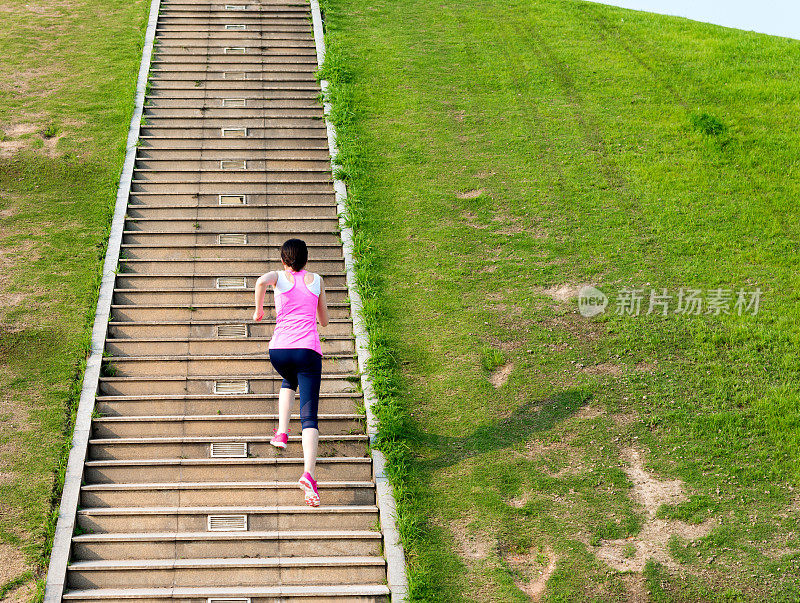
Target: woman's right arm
[(264, 281)]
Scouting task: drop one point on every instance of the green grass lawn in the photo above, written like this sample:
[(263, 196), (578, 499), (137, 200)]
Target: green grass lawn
[(498, 157), (67, 82)]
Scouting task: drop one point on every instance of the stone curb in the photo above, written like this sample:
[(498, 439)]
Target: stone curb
[(393, 548), (59, 557)]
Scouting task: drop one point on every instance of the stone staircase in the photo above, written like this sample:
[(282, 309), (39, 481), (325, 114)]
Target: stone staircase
[(183, 497)]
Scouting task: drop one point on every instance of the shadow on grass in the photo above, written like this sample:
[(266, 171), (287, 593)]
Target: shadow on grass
[(531, 417)]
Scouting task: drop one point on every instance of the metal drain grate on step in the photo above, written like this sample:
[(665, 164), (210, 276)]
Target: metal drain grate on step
[(234, 50), (229, 450), (231, 282), (231, 331), (218, 600), (227, 523), (236, 27), (233, 164), (234, 103), (232, 239), (233, 199), (232, 386), (234, 132), (235, 7)]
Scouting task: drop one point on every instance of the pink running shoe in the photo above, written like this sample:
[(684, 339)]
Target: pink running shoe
[(309, 486), (279, 440)]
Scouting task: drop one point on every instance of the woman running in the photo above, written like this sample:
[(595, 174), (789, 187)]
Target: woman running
[(295, 350)]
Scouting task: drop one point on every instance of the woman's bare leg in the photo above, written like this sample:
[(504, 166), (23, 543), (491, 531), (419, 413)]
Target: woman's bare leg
[(310, 444), (285, 399)]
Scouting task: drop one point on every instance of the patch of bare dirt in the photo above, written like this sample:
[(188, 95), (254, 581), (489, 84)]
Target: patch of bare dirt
[(471, 194), (576, 325), (12, 562), (555, 454), (604, 369), (484, 174), (531, 571), (23, 593), (11, 141), (635, 588), (471, 219), (623, 419), (590, 412), (509, 224), (646, 367), (472, 547), (500, 375), (562, 293), (519, 501), (631, 554)]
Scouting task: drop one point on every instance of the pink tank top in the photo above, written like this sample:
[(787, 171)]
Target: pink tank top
[(296, 317)]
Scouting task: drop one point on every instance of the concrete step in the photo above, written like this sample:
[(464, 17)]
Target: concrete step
[(222, 470), (255, 32), (195, 519), (254, 159), (228, 211), (204, 545), (217, 425), (301, 102), (228, 251), (252, 53), (210, 329), (205, 312), (234, 178), (357, 593), (260, 198), (213, 346), (224, 225), (300, 108), (238, 186), (134, 297), (310, 132), (205, 297), (225, 98), (197, 384), (233, 88), (221, 365), (187, 123), (242, 73), (206, 404), (227, 267), (271, 42), (354, 445), (202, 281), (292, 25), (273, 143), (222, 494), (229, 57), (210, 20), (168, 573), (256, 239)]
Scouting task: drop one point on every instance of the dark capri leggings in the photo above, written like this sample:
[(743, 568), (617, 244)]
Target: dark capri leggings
[(301, 367)]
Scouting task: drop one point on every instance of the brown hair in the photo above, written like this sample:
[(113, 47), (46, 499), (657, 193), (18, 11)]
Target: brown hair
[(294, 254)]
